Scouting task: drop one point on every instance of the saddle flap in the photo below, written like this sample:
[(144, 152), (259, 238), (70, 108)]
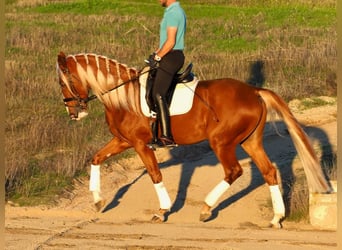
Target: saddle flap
[(182, 98)]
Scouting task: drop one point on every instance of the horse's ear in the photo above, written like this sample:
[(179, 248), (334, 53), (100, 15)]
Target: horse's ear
[(62, 62)]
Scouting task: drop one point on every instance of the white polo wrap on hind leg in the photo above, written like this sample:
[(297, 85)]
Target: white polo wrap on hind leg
[(94, 182), (277, 201), (216, 193), (163, 196)]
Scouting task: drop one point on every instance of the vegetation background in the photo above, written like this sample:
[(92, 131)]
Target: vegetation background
[(292, 42)]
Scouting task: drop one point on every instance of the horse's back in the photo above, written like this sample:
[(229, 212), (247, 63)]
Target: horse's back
[(229, 92)]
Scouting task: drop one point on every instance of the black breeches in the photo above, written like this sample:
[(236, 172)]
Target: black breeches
[(168, 67)]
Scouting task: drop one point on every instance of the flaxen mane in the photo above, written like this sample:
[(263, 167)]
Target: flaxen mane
[(103, 74)]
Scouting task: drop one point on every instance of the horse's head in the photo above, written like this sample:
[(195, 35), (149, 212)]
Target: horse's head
[(74, 92)]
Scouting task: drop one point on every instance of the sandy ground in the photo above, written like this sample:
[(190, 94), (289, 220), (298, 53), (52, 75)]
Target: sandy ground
[(239, 220)]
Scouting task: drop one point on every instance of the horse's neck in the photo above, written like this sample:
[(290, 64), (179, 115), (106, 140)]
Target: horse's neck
[(113, 83), (102, 70)]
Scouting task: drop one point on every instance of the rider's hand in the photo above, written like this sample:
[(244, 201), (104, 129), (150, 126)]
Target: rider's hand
[(151, 61)]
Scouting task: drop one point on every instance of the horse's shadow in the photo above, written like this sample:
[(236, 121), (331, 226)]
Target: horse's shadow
[(194, 156), (121, 192), (181, 154), (208, 159)]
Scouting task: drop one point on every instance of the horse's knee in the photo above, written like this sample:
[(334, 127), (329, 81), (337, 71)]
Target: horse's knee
[(98, 158)]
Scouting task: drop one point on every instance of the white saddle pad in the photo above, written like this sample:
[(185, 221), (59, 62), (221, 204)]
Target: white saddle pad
[(181, 101)]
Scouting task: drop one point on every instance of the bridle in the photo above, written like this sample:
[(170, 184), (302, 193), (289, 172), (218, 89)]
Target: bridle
[(80, 102)]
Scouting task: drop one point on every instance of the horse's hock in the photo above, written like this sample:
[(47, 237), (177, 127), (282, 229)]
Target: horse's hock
[(323, 209)]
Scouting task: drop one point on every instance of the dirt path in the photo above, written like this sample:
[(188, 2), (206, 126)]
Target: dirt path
[(239, 221)]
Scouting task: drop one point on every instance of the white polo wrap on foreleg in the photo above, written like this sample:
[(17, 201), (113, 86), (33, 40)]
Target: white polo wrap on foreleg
[(277, 201), (94, 182), (163, 196), (216, 193)]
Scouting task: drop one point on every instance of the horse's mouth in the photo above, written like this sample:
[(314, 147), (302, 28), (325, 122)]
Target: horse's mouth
[(80, 116)]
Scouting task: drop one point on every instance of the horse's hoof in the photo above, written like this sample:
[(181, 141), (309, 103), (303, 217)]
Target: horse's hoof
[(158, 218), (99, 205), (277, 225), (205, 216)]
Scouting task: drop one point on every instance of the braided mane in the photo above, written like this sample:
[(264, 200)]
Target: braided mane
[(103, 74)]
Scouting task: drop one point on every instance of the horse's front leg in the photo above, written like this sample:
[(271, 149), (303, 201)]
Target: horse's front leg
[(151, 164), (115, 146)]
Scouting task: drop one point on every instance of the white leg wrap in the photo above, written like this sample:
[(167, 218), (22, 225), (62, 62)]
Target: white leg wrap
[(94, 182), (277, 201), (216, 193), (163, 196), (96, 196)]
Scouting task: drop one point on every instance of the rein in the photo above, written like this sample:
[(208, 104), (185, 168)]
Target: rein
[(123, 83), (85, 100)]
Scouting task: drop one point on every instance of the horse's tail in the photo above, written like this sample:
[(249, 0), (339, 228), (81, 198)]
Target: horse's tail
[(313, 171)]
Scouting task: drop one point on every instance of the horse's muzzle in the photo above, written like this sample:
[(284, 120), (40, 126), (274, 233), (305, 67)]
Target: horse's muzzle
[(79, 116)]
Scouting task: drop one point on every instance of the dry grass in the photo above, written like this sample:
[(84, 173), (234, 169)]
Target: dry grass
[(42, 144)]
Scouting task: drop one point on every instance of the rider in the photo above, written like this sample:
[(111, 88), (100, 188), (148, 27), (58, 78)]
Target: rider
[(168, 59)]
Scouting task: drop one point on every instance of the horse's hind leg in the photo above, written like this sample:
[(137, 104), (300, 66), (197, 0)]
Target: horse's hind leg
[(253, 146), (232, 169)]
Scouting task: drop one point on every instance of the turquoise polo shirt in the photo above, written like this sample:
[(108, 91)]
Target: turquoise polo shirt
[(174, 16)]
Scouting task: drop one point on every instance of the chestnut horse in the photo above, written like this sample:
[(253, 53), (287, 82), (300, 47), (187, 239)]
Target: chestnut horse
[(226, 112)]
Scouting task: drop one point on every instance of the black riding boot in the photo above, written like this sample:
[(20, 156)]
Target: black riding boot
[(166, 139), (154, 130)]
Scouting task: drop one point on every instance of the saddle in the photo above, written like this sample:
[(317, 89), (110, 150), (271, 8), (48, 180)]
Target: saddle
[(182, 77)]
